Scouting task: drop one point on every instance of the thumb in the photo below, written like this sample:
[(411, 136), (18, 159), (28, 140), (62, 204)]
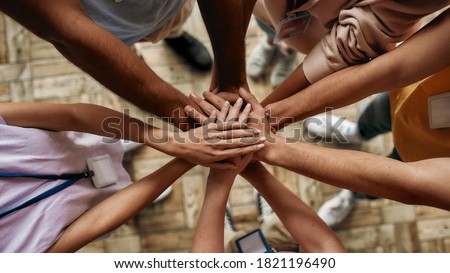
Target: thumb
[(250, 98)]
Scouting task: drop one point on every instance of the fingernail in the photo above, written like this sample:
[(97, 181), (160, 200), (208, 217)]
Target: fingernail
[(193, 95), (256, 131), (262, 138), (248, 105), (226, 104), (239, 100), (260, 146)]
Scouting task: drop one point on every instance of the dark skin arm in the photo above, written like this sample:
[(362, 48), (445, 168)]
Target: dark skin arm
[(227, 22), (98, 53), (112, 63)]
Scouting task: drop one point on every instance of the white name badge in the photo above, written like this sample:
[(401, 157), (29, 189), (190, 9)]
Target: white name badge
[(104, 171), (292, 26), (253, 242), (439, 110)]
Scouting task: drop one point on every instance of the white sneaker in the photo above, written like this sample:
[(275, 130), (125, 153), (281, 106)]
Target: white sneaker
[(265, 210), (335, 128), (335, 210), (284, 63), (260, 59)]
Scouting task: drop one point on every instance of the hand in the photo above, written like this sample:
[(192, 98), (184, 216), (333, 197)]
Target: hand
[(258, 116), (226, 177), (205, 106), (228, 114), (232, 115), (213, 142), (228, 117), (258, 120), (276, 122), (229, 96)]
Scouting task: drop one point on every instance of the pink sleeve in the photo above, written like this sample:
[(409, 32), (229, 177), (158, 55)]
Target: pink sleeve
[(362, 33)]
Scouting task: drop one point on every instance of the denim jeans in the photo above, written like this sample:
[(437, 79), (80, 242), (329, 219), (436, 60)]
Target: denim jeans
[(268, 30)]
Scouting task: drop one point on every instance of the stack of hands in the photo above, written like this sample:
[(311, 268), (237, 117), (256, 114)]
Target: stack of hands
[(235, 133)]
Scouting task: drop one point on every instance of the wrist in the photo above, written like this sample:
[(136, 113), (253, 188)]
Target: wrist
[(279, 115), (226, 83), (272, 150), (221, 175), (178, 117), (163, 141), (221, 181)]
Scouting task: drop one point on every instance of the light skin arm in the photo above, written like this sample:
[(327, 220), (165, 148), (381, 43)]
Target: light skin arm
[(304, 43), (119, 208), (203, 145), (291, 210), (96, 51), (299, 219), (422, 182), (414, 60), (294, 83), (209, 233)]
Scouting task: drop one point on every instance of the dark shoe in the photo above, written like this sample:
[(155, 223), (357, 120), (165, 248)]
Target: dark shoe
[(194, 52)]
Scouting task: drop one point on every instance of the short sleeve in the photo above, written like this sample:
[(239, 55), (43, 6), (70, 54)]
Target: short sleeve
[(354, 39), (360, 34)]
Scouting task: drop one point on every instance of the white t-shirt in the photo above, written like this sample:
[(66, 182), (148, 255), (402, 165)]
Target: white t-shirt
[(26, 150), (132, 20)]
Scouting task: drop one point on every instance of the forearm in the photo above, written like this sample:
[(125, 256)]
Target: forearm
[(420, 182), (119, 208), (209, 234), (295, 83), (297, 217), (226, 22), (420, 56), (88, 118), (334, 91), (203, 145), (125, 74)]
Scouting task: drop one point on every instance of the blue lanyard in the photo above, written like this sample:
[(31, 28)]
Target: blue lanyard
[(70, 179)]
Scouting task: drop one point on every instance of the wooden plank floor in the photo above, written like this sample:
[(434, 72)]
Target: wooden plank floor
[(32, 70)]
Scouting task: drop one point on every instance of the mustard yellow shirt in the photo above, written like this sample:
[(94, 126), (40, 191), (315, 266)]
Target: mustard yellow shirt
[(413, 137)]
